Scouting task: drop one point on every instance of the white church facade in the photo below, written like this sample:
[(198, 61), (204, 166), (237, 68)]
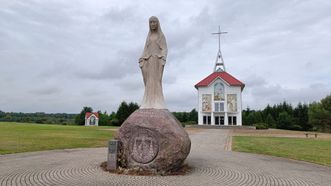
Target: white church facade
[(220, 100), (219, 95)]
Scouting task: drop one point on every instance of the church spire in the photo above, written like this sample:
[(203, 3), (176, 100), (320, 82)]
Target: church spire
[(219, 63)]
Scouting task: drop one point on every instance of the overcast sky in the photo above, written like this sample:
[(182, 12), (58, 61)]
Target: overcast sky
[(60, 55)]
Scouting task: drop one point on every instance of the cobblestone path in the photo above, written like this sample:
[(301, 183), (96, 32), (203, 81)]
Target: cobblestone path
[(212, 164)]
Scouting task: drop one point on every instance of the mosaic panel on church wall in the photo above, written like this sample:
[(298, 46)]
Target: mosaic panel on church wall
[(219, 92), (206, 102), (232, 102)]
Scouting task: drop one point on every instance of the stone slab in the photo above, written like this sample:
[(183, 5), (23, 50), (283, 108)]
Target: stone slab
[(112, 155)]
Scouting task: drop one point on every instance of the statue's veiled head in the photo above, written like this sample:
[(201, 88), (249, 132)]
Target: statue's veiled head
[(154, 24)]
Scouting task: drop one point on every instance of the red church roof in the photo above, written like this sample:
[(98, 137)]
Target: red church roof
[(88, 114), (232, 81)]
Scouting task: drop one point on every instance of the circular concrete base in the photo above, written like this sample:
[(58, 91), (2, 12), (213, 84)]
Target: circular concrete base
[(212, 165)]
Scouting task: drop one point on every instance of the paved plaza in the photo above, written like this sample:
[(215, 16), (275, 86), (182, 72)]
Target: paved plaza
[(212, 164)]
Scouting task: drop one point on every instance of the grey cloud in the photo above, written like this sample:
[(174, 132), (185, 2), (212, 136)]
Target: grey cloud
[(132, 83), (181, 100), (169, 78), (188, 40), (119, 16), (89, 51), (260, 96), (122, 64), (91, 91), (46, 91), (254, 81)]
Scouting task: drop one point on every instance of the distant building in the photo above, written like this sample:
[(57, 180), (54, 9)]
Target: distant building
[(220, 100), (91, 119), (219, 97)]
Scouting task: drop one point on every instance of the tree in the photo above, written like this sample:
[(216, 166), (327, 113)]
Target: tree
[(245, 119), (286, 107), (284, 121), (112, 115), (125, 110), (133, 107), (270, 121), (80, 118), (2, 114), (193, 116), (300, 115), (267, 111), (182, 116), (258, 117), (326, 103), (251, 117), (320, 114), (104, 119), (249, 120), (122, 112)]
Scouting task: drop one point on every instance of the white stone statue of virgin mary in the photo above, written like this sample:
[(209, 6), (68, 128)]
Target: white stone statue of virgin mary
[(152, 64)]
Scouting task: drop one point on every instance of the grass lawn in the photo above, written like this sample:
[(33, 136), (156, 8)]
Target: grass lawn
[(311, 150), (23, 137)]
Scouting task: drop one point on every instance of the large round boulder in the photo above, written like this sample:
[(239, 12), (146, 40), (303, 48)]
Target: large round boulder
[(153, 139)]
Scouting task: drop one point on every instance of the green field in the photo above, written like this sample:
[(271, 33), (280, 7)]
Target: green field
[(310, 150), (23, 137)]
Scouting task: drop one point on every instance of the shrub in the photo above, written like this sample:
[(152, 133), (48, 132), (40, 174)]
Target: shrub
[(296, 127), (260, 126), (115, 122), (190, 123)]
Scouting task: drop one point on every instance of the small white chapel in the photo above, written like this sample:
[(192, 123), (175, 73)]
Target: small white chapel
[(91, 119), (219, 94)]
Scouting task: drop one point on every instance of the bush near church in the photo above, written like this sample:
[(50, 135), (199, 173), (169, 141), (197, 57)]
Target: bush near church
[(260, 126), (115, 122), (313, 117), (189, 118)]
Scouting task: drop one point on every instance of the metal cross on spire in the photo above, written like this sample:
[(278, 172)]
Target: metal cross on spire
[(219, 64)]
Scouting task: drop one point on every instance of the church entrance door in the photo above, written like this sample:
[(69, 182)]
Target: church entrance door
[(219, 120)]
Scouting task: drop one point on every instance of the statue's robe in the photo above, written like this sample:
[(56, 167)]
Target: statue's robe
[(152, 64)]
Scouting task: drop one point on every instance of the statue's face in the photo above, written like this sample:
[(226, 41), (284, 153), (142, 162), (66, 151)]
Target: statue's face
[(153, 24)]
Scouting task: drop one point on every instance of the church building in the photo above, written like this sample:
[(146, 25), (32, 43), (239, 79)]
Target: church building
[(91, 119), (219, 94)]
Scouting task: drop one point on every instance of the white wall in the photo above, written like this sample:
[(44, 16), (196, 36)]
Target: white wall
[(227, 90)]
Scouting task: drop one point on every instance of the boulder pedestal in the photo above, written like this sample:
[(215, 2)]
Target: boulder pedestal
[(154, 140)]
